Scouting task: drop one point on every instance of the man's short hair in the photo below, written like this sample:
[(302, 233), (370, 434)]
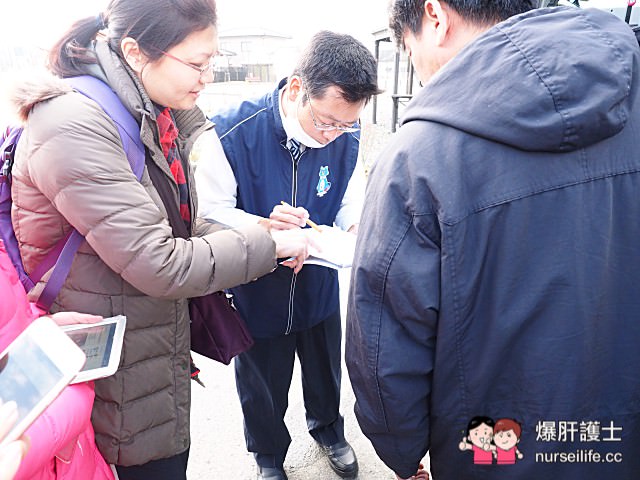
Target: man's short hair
[(333, 59), (406, 15)]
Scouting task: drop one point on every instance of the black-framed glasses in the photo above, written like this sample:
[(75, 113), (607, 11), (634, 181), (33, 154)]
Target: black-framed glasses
[(327, 127), (201, 69)]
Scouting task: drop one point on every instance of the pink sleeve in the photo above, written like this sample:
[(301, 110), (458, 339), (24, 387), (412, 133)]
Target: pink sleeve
[(59, 425), (36, 311)]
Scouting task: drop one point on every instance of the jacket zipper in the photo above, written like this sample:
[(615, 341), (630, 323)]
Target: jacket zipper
[(294, 276)]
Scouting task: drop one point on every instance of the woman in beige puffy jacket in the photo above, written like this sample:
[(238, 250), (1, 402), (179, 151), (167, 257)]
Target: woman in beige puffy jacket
[(71, 171)]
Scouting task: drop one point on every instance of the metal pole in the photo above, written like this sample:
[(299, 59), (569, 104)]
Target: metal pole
[(410, 78), (375, 97), (396, 75), (630, 5)]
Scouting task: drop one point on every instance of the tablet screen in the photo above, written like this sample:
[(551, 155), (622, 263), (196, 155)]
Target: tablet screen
[(101, 343), (96, 344)]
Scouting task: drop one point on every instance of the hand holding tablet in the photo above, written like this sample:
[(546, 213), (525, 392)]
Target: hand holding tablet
[(101, 342)]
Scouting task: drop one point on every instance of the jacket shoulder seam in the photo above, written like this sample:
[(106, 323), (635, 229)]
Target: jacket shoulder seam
[(241, 122)]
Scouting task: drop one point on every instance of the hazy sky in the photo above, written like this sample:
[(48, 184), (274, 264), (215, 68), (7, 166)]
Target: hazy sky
[(40, 22)]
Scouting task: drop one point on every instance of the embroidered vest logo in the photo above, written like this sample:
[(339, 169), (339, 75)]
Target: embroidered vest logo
[(323, 184)]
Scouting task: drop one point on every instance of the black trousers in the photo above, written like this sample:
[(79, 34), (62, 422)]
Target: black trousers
[(172, 468), (263, 377)]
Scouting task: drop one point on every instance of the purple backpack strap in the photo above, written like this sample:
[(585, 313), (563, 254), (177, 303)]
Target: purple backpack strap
[(9, 141), (61, 269), (62, 254), (128, 128)]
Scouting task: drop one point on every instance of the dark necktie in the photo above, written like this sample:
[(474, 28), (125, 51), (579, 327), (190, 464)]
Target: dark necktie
[(296, 149)]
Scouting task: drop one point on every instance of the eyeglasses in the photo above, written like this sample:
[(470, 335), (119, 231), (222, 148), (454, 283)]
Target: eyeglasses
[(327, 127), (201, 69)]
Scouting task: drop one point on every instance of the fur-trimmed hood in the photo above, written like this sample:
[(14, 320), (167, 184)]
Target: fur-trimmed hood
[(33, 88)]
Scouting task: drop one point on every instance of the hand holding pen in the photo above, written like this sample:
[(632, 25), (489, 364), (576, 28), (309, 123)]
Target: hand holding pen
[(285, 222), (285, 217)]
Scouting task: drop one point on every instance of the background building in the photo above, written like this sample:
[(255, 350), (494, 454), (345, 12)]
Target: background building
[(254, 54), (395, 76)]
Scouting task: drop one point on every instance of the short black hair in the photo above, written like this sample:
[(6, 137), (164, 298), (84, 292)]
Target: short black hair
[(475, 422), (333, 59), (406, 15)]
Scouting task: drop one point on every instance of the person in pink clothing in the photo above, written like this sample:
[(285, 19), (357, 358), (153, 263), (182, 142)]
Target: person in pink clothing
[(62, 444), (506, 436), (479, 439)]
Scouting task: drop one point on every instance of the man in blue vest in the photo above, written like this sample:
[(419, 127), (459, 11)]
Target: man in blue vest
[(290, 156)]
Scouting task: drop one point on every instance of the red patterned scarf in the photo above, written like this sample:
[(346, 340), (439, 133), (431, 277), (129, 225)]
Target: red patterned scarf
[(168, 135)]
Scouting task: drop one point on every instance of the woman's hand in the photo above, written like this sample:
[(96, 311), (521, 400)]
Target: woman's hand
[(294, 245), (71, 318)]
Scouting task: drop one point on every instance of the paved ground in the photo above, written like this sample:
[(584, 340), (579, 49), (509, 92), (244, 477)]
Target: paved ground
[(218, 449)]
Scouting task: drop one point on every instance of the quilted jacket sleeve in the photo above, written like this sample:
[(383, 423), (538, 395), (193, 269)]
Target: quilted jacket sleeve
[(72, 154)]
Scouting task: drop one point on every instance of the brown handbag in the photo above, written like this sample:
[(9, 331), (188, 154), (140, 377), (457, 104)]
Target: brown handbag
[(217, 329)]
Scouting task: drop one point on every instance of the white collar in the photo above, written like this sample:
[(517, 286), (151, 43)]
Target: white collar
[(284, 124)]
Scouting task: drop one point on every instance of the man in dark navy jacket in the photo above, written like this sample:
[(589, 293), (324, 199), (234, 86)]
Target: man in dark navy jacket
[(299, 146), (493, 311)]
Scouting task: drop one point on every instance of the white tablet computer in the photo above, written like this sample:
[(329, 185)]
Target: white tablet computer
[(102, 344)]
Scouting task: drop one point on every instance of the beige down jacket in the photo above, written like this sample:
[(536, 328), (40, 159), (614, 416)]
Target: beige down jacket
[(71, 169)]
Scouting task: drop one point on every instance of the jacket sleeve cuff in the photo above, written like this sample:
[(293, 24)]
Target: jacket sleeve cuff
[(254, 255), (402, 465)]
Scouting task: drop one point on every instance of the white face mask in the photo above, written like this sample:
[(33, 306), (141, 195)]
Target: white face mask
[(294, 129)]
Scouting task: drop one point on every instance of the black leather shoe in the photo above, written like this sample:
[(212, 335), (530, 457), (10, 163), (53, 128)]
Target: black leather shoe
[(271, 473), (342, 459)]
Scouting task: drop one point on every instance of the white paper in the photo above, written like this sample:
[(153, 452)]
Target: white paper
[(336, 247)]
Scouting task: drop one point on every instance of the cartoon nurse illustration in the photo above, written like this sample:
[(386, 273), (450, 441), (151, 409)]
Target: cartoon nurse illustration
[(478, 439), (506, 435)]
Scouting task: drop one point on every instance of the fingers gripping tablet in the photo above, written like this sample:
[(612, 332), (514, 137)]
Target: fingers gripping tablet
[(102, 344)]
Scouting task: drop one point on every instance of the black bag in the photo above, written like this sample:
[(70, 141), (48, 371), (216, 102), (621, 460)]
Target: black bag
[(217, 329)]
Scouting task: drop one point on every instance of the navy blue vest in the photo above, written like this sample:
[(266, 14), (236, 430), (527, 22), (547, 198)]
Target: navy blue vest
[(254, 141)]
